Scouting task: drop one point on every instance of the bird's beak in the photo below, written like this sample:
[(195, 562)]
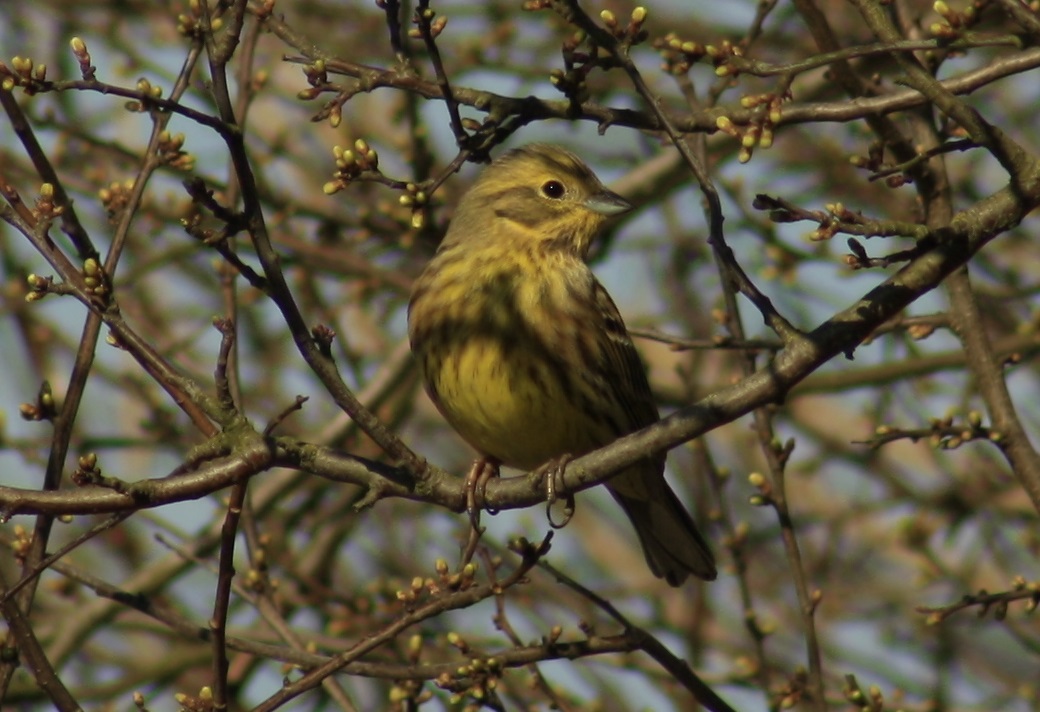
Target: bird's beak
[(607, 203)]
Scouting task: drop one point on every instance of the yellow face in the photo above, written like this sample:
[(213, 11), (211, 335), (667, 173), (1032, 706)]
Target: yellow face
[(538, 194)]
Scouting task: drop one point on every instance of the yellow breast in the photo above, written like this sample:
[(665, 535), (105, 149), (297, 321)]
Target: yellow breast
[(507, 401)]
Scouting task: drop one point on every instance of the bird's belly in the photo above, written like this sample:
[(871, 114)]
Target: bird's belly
[(510, 405)]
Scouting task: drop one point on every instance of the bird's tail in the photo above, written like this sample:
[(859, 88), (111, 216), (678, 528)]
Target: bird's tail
[(673, 546)]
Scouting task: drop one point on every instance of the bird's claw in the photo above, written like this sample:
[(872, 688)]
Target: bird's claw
[(476, 487), (553, 473)]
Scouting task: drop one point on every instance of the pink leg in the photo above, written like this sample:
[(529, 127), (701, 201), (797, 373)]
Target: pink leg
[(553, 471), (482, 470)]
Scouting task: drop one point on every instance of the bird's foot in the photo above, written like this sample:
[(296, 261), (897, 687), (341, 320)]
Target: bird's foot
[(476, 486), (553, 471)]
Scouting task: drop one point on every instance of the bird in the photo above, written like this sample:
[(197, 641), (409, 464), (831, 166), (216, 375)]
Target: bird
[(524, 352)]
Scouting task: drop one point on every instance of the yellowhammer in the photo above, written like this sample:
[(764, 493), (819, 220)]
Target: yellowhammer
[(523, 350)]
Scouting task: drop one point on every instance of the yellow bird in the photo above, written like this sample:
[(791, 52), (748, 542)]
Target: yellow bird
[(525, 354)]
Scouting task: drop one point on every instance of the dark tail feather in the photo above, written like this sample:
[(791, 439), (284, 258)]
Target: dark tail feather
[(673, 547)]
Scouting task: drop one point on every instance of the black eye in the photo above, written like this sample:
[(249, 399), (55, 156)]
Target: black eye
[(553, 189)]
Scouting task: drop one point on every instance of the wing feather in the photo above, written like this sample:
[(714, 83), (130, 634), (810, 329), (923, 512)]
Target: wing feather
[(630, 386)]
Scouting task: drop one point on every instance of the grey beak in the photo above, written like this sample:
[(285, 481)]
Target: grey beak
[(607, 203)]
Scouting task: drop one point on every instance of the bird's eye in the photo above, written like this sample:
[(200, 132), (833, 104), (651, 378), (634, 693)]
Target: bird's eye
[(553, 189)]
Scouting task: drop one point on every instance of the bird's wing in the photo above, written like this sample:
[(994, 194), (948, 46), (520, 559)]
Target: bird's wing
[(630, 387)]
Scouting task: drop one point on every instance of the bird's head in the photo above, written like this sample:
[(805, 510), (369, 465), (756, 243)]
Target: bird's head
[(539, 193)]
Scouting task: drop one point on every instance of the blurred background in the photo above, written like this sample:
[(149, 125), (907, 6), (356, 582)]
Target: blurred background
[(897, 495)]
